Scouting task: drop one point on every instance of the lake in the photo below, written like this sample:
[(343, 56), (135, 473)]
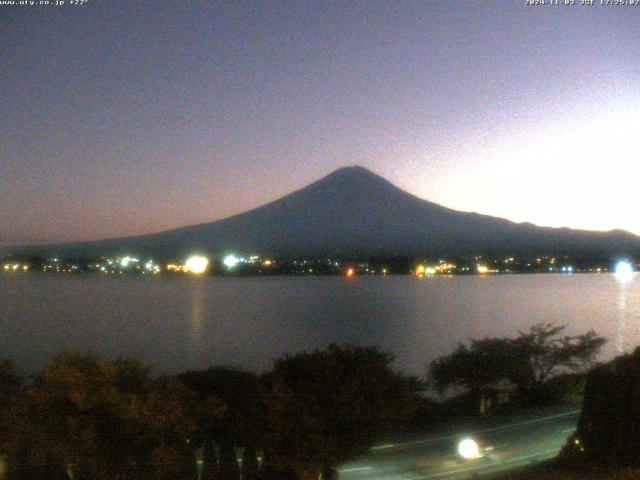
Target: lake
[(178, 322)]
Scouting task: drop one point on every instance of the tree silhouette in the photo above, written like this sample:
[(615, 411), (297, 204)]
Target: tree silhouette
[(209, 460), (242, 420), (228, 463), (91, 418), (540, 354), (478, 368), (327, 406), (250, 470), (527, 361)]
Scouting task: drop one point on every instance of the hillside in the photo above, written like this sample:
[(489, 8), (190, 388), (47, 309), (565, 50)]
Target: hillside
[(353, 211)]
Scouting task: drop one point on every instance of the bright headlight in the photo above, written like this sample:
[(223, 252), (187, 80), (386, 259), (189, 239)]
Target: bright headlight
[(468, 448)]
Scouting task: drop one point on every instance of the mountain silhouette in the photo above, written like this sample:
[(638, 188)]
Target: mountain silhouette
[(354, 212)]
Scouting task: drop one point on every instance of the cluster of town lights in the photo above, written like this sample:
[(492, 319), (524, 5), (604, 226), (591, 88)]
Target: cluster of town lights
[(624, 269), (441, 268), (15, 267), (199, 264)]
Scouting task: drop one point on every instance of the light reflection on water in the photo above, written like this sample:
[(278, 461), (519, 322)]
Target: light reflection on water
[(175, 323), (196, 319), (627, 281)]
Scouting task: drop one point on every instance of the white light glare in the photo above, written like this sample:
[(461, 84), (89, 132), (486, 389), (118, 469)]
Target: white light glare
[(231, 261), (623, 269), (196, 264), (469, 449), (125, 261)]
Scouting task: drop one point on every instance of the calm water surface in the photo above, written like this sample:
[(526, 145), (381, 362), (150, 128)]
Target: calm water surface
[(176, 323)]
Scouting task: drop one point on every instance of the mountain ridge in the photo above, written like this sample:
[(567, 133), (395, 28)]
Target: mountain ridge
[(353, 211)]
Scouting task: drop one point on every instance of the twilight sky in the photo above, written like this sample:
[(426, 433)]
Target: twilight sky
[(121, 118)]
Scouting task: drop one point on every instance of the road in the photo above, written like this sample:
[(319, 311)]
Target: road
[(515, 443)]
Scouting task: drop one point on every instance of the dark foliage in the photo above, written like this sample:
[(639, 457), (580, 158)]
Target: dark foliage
[(608, 432), (101, 420), (326, 406), (526, 362), (89, 418), (228, 463), (209, 460), (250, 470), (243, 418)]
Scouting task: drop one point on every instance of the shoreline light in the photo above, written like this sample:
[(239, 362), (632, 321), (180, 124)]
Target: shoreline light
[(196, 264), (231, 261), (125, 262), (623, 269)]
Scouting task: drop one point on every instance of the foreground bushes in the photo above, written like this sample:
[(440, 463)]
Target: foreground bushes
[(325, 407), (91, 418), (84, 417), (608, 432)]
